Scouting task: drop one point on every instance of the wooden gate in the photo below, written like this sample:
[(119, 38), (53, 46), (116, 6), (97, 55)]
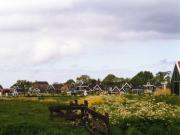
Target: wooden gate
[(93, 121)]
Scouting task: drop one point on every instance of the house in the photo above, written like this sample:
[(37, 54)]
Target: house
[(126, 87), (137, 91), (5, 92), (51, 89), (57, 87), (175, 81), (115, 90), (164, 84), (18, 90), (41, 85), (149, 88), (65, 88), (80, 90), (34, 91), (97, 88)]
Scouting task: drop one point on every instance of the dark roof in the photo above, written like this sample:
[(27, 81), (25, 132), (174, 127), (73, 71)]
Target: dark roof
[(41, 85), (1, 87), (41, 82), (57, 86)]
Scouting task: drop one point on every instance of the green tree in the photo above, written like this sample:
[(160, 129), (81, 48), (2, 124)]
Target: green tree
[(23, 85), (142, 78), (111, 80), (93, 82), (83, 79), (162, 77), (70, 82)]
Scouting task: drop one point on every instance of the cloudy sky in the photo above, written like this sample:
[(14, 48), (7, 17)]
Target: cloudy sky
[(55, 40)]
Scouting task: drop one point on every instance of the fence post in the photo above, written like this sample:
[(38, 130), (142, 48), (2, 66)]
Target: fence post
[(76, 102), (71, 103), (86, 103)]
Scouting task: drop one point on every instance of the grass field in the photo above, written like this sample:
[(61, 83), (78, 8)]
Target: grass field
[(30, 116), (129, 115)]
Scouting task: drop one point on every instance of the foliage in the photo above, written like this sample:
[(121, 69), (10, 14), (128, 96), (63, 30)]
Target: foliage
[(141, 113), (70, 81), (173, 100), (156, 130), (142, 78), (162, 92), (161, 77), (23, 85), (133, 131), (83, 79), (111, 81)]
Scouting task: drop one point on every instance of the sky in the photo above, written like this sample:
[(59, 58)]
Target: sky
[(55, 40)]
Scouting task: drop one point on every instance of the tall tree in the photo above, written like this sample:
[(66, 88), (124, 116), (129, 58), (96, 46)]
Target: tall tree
[(111, 80), (162, 77), (142, 78), (70, 82), (83, 79)]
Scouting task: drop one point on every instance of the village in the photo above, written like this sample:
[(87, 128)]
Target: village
[(84, 85), (141, 105)]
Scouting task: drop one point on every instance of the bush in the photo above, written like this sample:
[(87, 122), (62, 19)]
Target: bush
[(133, 131), (155, 130), (174, 130), (116, 131)]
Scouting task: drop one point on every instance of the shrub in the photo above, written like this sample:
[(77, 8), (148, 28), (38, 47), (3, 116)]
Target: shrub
[(155, 130), (133, 131), (162, 92), (116, 131), (174, 130)]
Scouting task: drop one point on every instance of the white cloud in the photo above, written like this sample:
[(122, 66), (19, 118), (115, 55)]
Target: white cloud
[(62, 33), (25, 5), (48, 49)]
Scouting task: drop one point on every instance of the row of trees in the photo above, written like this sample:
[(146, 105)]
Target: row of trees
[(111, 80)]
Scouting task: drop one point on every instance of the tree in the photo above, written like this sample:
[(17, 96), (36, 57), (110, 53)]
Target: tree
[(162, 77), (70, 81), (23, 85), (93, 82), (142, 78), (111, 80), (83, 79)]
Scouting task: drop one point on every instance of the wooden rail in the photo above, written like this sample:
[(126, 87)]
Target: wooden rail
[(92, 120)]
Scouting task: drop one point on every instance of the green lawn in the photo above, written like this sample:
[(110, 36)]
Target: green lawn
[(31, 117)]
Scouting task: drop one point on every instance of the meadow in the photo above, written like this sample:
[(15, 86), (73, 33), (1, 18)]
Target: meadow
[(129, 115)]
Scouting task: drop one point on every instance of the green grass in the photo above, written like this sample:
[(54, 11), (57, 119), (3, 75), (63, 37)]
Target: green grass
[(26, 117)]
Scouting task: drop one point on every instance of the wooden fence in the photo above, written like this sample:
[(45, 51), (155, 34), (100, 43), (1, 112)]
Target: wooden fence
[(93, 121)]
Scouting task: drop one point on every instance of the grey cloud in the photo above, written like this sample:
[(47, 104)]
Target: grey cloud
[(102, 19), (160, 16)]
